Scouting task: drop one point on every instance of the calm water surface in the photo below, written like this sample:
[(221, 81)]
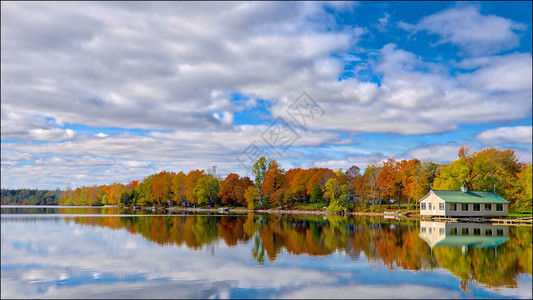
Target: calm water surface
[(65, 252)]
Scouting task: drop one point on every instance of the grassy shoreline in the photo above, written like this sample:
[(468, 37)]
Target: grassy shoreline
[(402, 213)]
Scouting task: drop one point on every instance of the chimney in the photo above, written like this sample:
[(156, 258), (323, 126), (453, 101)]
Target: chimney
[(464, 189)]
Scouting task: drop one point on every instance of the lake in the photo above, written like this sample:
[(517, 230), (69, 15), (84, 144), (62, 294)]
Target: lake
[(82, 252)]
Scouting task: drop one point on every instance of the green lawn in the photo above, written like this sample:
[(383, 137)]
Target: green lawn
[(311, 205), (384, 207), (393, 207), (516, 213)]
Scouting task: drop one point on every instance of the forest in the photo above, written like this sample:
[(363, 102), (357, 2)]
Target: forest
[(31, 197), (404, 181), (353, 189)]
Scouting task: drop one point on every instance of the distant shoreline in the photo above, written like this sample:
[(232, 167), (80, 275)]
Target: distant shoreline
[(278, 211), (237, 210), (390, 214)]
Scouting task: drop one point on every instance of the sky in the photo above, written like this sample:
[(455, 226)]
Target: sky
[(103, 92)]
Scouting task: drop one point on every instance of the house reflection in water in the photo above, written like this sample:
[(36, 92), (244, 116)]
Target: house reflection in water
[(464, 235)]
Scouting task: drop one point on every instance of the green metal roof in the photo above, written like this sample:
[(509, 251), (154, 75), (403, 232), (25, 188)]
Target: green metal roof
[(471, 241), (470, 197)]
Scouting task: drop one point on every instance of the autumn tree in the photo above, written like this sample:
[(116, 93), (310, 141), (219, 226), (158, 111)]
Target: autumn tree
[(161, 188), (273, 180), (524, 188), (316, 194), (319, 176), (370, 179), (259, 168), (296, 181), (424, 178), (143, 191), (190, 184), (388, 179), (484, 170), (228, 186), (243, 184), (232, 189), (335, 191), (177, 188), (206, 190), (251, 195)]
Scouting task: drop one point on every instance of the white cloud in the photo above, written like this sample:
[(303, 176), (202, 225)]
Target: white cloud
[(417, 97), (23, 126), (174, 68), (435, 153), (155, 66), (125, 157), (509, 73), (404, 291), (58, 171), (517, 134), (383, 22), (467, 27)]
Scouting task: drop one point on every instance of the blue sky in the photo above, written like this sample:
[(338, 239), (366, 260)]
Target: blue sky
[(95, 93)]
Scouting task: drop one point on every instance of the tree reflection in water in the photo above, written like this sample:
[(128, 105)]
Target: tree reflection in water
[(395, 243)]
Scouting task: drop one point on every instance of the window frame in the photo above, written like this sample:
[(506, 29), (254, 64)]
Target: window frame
[(463, 206), (489, 206), (476, 205), (499, 207), (453, 206), (423, 206), (441, 206)]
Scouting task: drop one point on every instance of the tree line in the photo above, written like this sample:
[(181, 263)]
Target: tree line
[(30, 196), (400, 181)]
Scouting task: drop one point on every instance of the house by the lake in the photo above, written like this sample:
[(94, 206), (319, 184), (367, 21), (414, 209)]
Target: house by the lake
[(463, 203)]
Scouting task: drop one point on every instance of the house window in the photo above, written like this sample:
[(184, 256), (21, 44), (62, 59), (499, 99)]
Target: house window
[(429, 206), (477, 231), (422, 206), (429, 229), (488, 232), (453, 231), (453, 206), (464, 207), (441, 231), (477, 207), (465, 231), (499, 207), (499, 232), (441, 206), (488, 207), (423, 229)]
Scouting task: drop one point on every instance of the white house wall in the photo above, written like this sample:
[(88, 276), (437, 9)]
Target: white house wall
[(435, 211), (434, 200)]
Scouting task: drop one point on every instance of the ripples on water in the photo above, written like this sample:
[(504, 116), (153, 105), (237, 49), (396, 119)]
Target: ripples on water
[(114, 253)]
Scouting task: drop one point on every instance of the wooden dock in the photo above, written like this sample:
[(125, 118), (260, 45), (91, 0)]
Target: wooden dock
[(525, 221), (445, 219), (391, 214)]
